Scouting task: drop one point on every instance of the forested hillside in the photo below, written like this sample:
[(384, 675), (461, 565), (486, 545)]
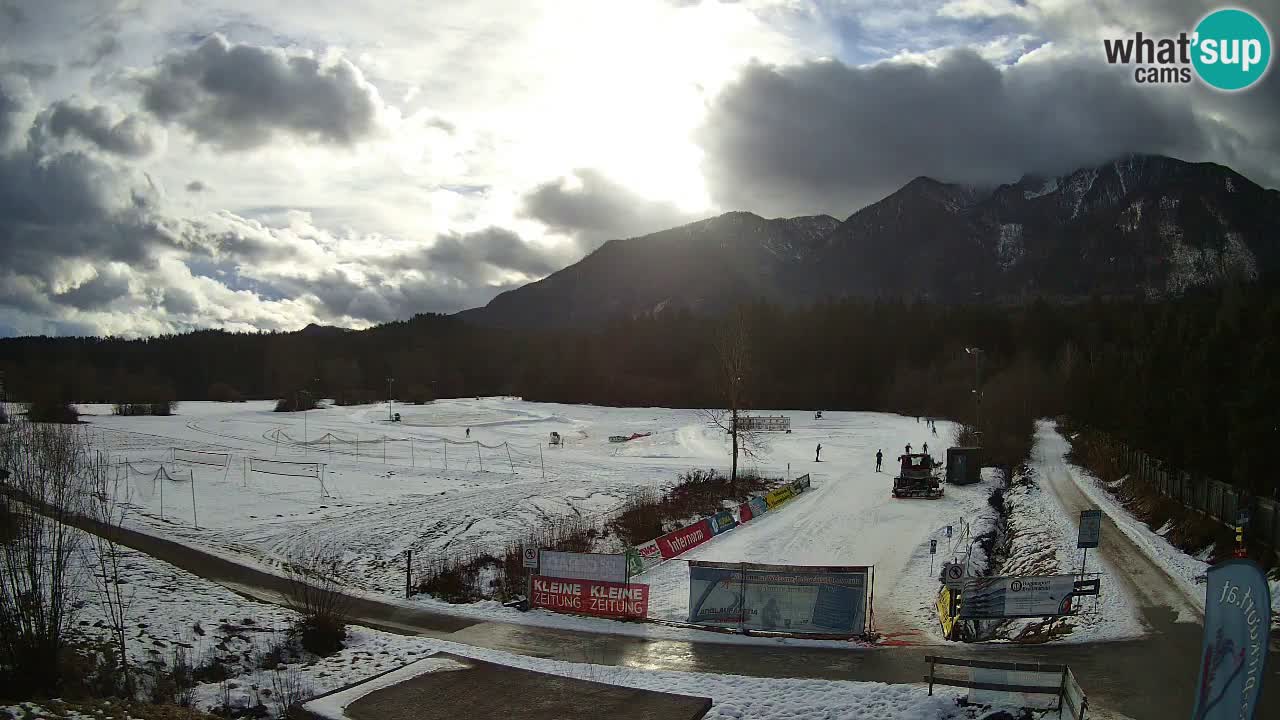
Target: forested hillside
[(1193, 380)]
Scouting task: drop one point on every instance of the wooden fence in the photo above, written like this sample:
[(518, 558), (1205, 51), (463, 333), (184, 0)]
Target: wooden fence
[(1064, 686), (1217, 500)]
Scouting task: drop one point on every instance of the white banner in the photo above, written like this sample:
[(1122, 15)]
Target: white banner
[(1006, 597), (583, 566)]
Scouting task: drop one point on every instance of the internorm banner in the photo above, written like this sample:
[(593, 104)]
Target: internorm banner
[(779, 598), (684, 539)]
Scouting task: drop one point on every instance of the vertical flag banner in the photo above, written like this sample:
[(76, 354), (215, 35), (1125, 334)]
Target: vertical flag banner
[(1237, 621)]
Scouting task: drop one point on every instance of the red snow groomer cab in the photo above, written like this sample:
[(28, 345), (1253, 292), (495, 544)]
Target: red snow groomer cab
[(917, 478)]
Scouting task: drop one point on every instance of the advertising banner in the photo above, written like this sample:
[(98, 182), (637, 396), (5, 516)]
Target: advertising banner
[(779, 598), (678, 541), (591, 597), (1007, 597), (779, 496), (642, 557), (1237, 622), (744, 512), (947, 612), (722, 521), (801, 483), (758, 506), (583, 566)]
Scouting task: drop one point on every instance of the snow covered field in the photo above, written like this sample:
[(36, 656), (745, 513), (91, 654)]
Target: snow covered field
[(173, 609), (373, 510)]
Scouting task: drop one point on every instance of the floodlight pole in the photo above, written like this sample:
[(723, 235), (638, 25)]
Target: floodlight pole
[(977, 353)]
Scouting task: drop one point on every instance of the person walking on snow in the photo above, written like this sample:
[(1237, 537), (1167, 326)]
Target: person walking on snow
[(879, 459), (468, 433), (817, 452), (908, 448), (925, 449)]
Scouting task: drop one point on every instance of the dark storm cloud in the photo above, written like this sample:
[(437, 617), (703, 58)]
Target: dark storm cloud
[(823, 136), (598, 210), (472, 256), (95, 293), (33, 71), (105, 47), (12, 12), (240, 96), (14, 97), (127, 136), (196, 186)]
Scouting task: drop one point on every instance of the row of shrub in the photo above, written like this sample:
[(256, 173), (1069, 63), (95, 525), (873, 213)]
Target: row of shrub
[(473, 575)]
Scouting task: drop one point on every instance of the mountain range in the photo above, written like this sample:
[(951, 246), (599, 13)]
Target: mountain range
[(1140, 226)]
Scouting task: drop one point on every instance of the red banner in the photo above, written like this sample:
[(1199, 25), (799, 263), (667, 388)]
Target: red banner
[(744, 512), (684, 539), (591, 597)]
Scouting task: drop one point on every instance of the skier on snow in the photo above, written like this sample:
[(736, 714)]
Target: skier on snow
[(817, 452), (879, 459)]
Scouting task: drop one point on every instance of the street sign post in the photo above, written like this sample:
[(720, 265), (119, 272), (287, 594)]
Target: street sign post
[(1090, 529), (1090, 534), (933, 550), (530, 557), (953, 575)]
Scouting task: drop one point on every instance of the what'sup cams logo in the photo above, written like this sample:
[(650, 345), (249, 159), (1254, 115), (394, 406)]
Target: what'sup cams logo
[(1229, 49)]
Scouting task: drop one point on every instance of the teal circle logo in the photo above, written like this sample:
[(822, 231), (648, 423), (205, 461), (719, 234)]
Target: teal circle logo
[(1232, 49)]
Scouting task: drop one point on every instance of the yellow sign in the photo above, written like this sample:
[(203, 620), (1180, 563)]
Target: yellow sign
[(779, 496), (945, 608)]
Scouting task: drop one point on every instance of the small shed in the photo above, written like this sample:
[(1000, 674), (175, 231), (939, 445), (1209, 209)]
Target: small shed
[(964, 465)]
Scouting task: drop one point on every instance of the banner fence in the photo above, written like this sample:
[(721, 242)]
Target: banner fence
[(833, 601)]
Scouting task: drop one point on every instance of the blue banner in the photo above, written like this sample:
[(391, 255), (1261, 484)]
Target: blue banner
[(759, 506), (722, 521), (1237, 622)]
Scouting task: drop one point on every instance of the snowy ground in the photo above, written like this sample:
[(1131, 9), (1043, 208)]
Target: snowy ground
[(374, 510), (171, 608), (1187, 571)]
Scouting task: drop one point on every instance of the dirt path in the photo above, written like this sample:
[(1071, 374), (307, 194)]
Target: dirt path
[(1157, 593)]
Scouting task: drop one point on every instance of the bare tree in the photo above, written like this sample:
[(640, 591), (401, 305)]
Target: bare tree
[(113, 595), (733, 374), (44, 491)]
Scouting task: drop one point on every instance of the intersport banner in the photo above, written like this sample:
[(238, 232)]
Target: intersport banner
[(643, 556), (684, 539), (1237, 623), (722, 521), (779, 598), (591, 597)]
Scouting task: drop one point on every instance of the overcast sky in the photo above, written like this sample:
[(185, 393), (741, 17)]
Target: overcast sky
[(173, 164)]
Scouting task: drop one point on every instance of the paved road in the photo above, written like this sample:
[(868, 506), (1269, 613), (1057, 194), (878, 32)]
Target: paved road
[(1153, 677)]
